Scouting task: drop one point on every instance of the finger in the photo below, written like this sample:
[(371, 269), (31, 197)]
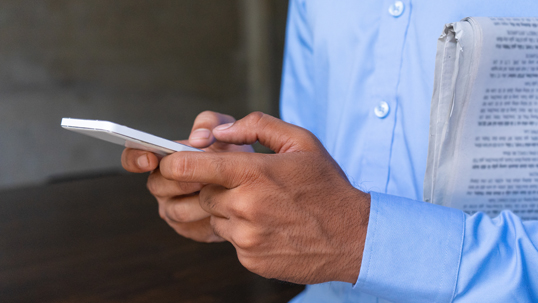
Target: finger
[(201, 231), (183, 209), (227, 169), (221, 227), (213, 200), (271, 132), (138, 161), (201, 135), (161, 187)]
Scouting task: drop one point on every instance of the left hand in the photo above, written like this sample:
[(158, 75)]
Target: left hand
[(292, 215)]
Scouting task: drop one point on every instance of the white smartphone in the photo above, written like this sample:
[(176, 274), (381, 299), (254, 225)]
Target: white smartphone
[(124, 136)]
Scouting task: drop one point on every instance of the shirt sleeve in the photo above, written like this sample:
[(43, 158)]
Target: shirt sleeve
[(297, 102), (296, 71), (420, 252)]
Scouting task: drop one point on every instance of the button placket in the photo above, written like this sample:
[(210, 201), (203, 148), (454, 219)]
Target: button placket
[(384, 93)]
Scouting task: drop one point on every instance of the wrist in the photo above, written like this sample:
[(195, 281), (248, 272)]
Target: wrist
[(351, 266)]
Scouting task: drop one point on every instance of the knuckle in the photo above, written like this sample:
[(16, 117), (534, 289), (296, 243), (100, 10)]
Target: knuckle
[(153, 186), (255, 118), (184, 188), (215, 228), (244, 209), (181, 168), (178, 213), (218, 165), (256, 115), (308, 139), (313, 140), (247, 239), (309, 135)]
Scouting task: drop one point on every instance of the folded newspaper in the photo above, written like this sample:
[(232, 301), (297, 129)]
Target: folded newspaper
[(483, 145)]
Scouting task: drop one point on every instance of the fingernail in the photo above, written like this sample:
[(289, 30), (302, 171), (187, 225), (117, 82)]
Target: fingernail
[(201, 133), (223, 126), (143, 161)]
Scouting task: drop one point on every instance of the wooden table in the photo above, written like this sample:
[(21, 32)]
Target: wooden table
[(101, 240)]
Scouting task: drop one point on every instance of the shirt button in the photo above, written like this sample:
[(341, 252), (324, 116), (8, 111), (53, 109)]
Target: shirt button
[(382, 109), (396, 9)]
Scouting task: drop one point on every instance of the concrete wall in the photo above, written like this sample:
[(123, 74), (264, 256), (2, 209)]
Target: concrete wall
[(148, 64)]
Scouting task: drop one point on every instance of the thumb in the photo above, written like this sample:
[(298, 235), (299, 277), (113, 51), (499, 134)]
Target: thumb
[(279, 136)]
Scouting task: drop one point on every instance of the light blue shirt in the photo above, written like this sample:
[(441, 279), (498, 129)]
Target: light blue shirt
[(342, 59)]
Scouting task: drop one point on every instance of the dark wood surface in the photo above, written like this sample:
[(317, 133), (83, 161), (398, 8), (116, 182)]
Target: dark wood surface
[(101, 240)]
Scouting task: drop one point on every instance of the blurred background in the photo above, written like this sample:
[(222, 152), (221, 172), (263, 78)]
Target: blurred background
[(148, 64)]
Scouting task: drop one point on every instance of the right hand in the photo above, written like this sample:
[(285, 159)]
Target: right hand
[(179, 201)]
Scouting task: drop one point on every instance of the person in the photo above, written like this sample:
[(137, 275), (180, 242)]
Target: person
[(338, 206)]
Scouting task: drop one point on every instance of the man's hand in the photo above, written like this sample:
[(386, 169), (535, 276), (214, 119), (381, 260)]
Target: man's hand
[(292, 215), (179, 201)]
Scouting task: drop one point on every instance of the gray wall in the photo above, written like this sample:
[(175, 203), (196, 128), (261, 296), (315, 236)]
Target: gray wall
[(149, 64)]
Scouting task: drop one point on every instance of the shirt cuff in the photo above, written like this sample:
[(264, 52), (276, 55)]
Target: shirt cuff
[(412, 250)]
